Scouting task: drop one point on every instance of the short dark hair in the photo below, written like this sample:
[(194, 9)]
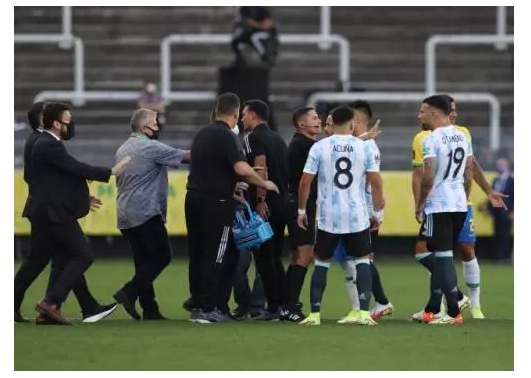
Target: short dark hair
[(449, 98), (258, 107), (438, 101), (342, 115), (362, 106), (299, 113), (34, 114), (227, 104), (53, 112)]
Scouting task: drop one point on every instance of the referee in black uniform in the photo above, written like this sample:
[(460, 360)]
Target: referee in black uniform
[(265, 148), (216, 164), (307, 126)]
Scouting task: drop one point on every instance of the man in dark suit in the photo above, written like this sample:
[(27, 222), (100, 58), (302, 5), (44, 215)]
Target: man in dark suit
[(503, 218), (34, 264), (61, 199)]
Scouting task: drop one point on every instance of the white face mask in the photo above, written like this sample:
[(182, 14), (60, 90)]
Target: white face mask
[(151, 88), (236, 129)]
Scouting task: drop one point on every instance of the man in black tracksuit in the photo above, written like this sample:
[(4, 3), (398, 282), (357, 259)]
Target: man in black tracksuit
[(216, 166), (267, 152)]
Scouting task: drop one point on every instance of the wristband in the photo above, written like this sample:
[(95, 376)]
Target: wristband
[(378, 215)]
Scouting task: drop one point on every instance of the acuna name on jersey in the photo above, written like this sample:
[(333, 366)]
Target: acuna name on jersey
[(452, 138), (343, 148)]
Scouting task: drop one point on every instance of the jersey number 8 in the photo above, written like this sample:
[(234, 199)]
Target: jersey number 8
[(343, 171)]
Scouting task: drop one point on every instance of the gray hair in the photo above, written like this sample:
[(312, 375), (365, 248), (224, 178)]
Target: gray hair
[(140, 118)]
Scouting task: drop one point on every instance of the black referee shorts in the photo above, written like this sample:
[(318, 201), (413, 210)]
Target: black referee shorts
[(298, 236), (442, 230), (357, 244)]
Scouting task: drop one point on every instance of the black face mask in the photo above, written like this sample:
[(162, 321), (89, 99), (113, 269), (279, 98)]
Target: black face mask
[(70, 131), (156, 133)]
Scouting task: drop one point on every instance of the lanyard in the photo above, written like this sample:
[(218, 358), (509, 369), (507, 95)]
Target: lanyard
[(141, 136)]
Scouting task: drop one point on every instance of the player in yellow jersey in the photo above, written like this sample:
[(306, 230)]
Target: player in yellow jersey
[(467, 237)]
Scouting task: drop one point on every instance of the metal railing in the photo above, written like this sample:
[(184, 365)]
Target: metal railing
[(430, 50), (66, 27), (501, 26), (79, 54), (224, 39), (491, 100), (117, 96), (326, 27)]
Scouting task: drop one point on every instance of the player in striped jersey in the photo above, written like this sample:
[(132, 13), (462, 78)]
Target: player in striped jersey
[(466, 239), (362, 117), (342, 163), (442, 204)]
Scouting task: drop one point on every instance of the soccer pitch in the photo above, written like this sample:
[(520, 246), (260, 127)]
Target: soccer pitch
[(120, 343)]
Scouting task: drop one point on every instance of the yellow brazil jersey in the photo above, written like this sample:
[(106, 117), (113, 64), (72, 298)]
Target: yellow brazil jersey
[(418, 161)]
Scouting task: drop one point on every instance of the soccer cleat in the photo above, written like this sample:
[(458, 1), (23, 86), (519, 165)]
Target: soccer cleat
[(447, 319), (313, 319), (464, 303), (350, 318), (294, 316), (476, 312), (425, 317), (380, 310), (364, 318)]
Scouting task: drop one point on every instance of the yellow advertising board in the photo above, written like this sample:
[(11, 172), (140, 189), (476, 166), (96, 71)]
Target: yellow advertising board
[(399, 213)]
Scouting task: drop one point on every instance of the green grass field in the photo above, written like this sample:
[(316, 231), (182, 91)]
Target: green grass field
[(119, 343)]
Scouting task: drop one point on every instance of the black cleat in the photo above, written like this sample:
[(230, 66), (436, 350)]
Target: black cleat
[(295, 316)]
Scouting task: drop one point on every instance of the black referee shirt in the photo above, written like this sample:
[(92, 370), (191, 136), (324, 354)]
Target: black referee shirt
[(213, 155), (298, 150), (263, 141)]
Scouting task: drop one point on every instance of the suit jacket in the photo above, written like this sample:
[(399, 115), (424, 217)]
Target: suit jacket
[(28, 147), (508, 189), (61, 192)]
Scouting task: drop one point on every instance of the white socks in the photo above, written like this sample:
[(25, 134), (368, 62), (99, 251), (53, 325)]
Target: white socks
[(350, 283), (472, 275)]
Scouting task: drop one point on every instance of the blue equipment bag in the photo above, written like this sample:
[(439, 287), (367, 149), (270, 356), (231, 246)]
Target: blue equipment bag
[(251, 232)]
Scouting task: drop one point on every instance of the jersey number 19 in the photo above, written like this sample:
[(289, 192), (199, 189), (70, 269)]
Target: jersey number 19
[(455, 158)]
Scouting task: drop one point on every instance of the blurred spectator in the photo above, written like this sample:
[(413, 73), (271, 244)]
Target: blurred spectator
[(151, 98), (503, 219), (255, 37)]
